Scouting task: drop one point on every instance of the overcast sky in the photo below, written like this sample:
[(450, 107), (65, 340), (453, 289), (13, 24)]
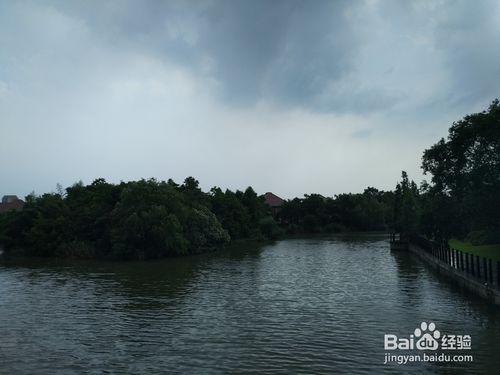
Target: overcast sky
[(292, 97)]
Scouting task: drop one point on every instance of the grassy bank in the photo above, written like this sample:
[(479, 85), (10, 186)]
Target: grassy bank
[(488, 251)]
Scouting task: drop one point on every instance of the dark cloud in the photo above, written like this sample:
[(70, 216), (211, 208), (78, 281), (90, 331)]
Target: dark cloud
[(288, 52), (337, 94), (469, 35), (298, 54)]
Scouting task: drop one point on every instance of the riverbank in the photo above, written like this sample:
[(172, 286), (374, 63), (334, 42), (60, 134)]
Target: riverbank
[(19, 254), (475, 274), (330, 234), (235, 245), (488, 251)]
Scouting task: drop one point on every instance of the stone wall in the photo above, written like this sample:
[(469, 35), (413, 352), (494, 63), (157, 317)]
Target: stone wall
[(458, 277)]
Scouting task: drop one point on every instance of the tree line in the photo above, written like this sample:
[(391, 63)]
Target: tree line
[(151, 219), (462, 200), (134, 220), (371, 210)]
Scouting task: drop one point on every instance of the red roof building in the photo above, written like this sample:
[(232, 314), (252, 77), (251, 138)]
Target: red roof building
[(274, 202), (11, 203)]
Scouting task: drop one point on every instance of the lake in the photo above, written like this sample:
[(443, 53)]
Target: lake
[(319, 305)]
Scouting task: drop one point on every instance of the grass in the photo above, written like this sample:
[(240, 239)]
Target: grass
[(487, 251)]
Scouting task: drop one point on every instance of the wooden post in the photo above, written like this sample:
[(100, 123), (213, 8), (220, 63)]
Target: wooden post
[(490, 265), (478, 267), (485, 269)]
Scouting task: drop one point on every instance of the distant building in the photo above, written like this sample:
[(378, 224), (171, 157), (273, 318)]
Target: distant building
[(11, 203), (274, 202)]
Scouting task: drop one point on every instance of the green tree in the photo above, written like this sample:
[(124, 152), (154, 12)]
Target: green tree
[(465, 171), (406, 206)]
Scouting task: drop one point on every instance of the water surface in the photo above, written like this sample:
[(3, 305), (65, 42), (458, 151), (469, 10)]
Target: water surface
[(296, 306)]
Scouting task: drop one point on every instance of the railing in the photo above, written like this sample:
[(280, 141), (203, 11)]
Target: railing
[(393, 237), (482, 269), (396, 237)]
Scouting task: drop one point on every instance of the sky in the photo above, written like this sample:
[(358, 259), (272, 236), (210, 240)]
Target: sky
[(290, 96)]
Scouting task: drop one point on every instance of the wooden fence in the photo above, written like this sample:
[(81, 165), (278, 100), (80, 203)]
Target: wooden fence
[(482, 269)]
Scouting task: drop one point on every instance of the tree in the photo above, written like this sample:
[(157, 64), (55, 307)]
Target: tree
[(465, 171), (406, 206)]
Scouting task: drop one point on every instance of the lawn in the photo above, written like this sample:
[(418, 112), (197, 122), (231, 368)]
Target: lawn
[(488, 251)]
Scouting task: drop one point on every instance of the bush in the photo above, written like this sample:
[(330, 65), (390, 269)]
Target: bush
[(484, 237), (269, 228), (203, 230), (75, 249)]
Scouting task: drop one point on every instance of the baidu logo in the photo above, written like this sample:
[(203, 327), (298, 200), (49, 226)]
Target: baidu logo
[(426, 344), (427, 337)]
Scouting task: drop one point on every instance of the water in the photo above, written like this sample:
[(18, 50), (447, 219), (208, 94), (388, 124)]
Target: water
[(296, 306)]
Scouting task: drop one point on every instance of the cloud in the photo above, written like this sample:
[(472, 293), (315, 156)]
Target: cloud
[(288, 96), (283, 51), (321, 56)]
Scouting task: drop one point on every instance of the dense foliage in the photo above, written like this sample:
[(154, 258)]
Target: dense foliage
[(406, 205), (370, 211), (135, 220), (463, 198), (150, 219)]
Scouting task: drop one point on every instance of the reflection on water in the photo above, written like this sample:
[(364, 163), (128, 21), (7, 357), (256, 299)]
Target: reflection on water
[(308, 305)]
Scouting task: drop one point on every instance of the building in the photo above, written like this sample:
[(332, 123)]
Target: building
[(11, 203), (274, 202)]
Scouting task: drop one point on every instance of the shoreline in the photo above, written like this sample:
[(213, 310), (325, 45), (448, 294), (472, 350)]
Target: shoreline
[(452, 269), (233, 245)]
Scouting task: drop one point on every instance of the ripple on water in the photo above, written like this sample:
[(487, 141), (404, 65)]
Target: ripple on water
[(311, 306)]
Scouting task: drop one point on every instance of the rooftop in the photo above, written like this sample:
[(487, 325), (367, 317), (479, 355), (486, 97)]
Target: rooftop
[(273, 200), (11, 203)]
